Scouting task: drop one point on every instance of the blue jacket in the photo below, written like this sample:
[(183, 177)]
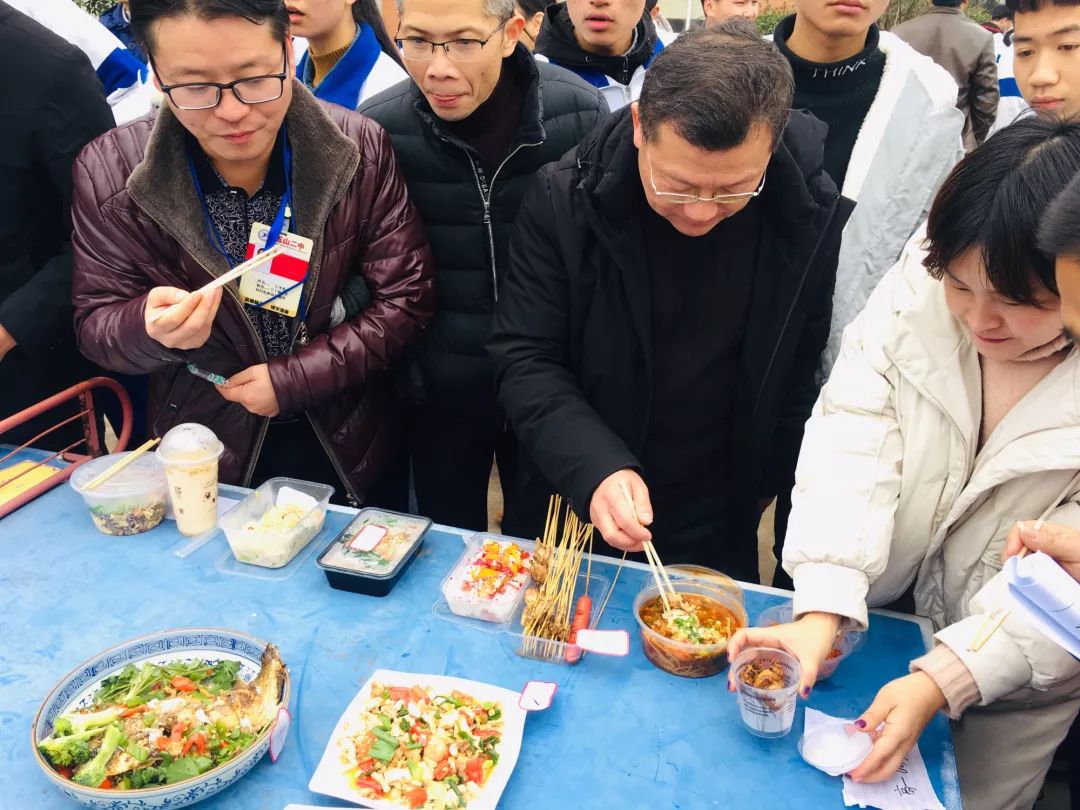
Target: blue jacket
[(115, 21), (364, 71)]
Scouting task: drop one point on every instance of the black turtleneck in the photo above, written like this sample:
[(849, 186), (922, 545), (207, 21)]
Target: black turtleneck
[(492, 127), (839, 93)]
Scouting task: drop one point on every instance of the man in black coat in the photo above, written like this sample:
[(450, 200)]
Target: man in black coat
[(658, 335), (50, 112), (470, 131)]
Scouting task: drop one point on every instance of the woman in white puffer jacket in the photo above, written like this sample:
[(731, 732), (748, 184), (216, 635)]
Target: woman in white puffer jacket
[(952, 413)]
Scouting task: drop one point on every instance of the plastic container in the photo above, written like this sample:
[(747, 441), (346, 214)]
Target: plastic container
[(767, 712), (131, 502), (704, 574), (681, 658), (272, 524), (371, 553), (833, 748), (466, 588), (847, 641), (557, 652), (190, 453)]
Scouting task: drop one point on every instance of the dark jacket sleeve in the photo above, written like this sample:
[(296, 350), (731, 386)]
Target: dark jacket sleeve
[(804, 385), (395, 261), (985, 94), (73, 113), (564, 435)]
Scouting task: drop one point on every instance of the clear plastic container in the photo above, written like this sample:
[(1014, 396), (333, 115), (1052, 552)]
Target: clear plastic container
[(131, 502), (465, 587), (684, 658), (847, 641), (557, 652), (766, 712), (272, 524), (371, 553)]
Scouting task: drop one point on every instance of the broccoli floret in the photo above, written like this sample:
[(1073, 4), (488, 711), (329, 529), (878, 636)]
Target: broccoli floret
[(92, 773), (75, 722), (72, 749)]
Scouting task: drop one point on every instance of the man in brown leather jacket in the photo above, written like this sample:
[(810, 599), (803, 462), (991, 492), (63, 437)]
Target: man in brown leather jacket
[(965, 49), (239, 153)]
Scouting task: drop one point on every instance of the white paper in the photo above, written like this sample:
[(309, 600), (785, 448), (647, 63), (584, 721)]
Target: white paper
[(909, 788), (537, 695), (330, 777), (604, 642), (287, 496)]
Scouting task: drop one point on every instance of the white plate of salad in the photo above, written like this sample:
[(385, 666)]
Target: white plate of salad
[(426, 742)]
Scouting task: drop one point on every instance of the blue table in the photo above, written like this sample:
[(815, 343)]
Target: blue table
[(621, 734)]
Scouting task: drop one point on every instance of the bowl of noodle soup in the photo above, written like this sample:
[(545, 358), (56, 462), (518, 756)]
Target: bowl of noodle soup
[(690, 641)]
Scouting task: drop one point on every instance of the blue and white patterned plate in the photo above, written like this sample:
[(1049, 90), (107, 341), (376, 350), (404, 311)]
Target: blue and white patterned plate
[(76, 689)]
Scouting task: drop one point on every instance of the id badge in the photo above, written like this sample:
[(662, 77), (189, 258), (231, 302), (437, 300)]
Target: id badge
[(278, 285)]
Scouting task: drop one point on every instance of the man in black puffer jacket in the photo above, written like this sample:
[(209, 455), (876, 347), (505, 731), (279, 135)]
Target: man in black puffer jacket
[(478, 121), (670, 291)]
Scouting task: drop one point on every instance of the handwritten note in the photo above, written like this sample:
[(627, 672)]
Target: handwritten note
[(909, 789)]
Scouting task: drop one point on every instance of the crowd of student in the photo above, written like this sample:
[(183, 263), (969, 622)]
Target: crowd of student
[(622, 262)]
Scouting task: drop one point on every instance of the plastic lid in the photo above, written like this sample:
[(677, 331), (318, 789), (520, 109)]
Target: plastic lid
[(140, 476), (189, 443), (833, 749)]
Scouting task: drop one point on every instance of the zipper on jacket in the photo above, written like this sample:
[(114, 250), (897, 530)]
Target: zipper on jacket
[(486, 190), (256, 340), (320, 434)]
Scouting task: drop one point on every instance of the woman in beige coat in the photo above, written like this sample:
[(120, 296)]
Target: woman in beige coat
[(952, 412)]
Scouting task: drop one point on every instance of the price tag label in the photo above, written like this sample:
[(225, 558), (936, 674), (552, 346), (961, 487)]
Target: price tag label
[(367, 538), (604, 642), (537, 696), (279, 733)]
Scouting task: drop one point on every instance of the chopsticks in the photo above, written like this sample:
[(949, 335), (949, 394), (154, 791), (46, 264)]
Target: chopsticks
[(232, 275), (660, 577), (999, 616), (119, 465)]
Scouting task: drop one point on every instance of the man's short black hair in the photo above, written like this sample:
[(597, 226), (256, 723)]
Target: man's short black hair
[(144, 13), (714, 85), (994, 201), (1060, 231), (948, 3), (1028, 6), (1001, 12)]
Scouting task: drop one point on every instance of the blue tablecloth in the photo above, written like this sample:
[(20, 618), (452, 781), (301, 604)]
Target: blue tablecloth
[(621, 734)]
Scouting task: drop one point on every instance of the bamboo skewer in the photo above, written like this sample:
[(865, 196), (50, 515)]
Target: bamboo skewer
[(999, 616), (232, 275), (121, 464)]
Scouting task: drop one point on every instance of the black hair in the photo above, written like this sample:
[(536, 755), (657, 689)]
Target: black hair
[(1001, 12), (994, 201), (714, 85), (948, 3), (144, 13), (365, 12), (531, 7), (1060, 231), (1028, 6)]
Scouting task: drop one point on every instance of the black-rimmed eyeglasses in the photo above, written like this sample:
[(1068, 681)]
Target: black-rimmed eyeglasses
[(417, 49), (207, 95)]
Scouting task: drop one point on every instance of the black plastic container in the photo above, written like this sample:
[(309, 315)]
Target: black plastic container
[(366, 572)]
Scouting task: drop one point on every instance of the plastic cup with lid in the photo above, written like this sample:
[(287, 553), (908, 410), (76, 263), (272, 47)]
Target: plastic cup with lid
[(835, 747), (190, 453)]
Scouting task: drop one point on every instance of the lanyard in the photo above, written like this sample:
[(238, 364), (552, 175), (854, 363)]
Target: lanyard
[(280, 223)]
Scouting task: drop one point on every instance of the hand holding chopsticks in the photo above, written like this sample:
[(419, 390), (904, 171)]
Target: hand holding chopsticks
[(660, 577), (623, 522)]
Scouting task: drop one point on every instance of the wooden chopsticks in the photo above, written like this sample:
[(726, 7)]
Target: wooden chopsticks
[(232, 275), (119, 465), (659, 574), (997, 618)]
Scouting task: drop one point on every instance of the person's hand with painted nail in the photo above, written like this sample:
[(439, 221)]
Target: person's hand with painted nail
[(904, 706), (810, 639)]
